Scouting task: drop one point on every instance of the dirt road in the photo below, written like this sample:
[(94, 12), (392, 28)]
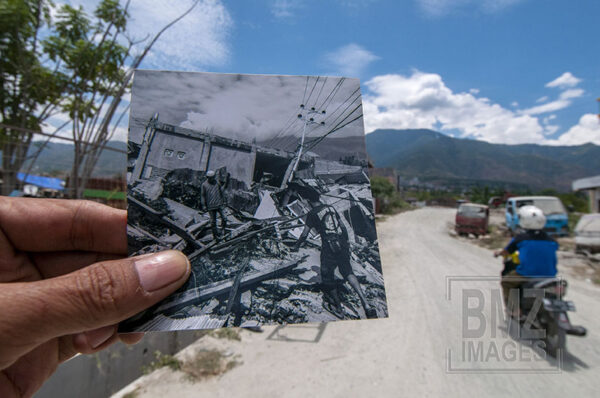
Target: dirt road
[(419, 351)]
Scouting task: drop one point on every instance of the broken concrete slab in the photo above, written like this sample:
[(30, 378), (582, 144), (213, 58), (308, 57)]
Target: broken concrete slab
[(267, 208)]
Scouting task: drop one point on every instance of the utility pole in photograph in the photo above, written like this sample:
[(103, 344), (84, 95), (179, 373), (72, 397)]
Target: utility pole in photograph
[(308, 117)]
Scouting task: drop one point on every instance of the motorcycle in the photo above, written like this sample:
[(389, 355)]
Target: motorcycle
[(544, 312)]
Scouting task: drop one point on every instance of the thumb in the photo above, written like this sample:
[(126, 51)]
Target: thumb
[(101, 294)]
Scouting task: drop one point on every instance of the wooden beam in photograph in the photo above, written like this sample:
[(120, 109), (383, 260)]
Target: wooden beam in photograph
[(203, 293), (171, 224)]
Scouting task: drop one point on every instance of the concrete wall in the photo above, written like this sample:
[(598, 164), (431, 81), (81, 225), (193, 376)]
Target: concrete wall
[(238, 162), (167, 152), (103, 374)]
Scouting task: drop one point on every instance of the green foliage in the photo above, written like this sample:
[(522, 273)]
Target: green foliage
[(74, 66), (482, 195), (577, 201), (381, 187), (90, 53), (29, 88), (390, 201)]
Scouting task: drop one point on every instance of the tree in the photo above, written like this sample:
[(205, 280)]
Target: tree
[(87, 65), (30, 91), (385, 191), (102, 69), (381, 187)]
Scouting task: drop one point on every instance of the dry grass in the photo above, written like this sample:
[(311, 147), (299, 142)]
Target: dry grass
[(208, 363), (496, 239), (161, 361), (566, 244), (132, 394), (228, 333)]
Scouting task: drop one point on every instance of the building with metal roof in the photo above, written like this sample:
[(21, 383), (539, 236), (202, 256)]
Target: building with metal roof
[(592, 186)]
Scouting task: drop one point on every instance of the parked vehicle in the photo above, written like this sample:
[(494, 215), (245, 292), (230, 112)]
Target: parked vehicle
[(550, 316), (557, 220), (495, 202), (587, 233), (472, 218)]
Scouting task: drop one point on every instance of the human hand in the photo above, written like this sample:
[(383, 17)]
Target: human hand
[(64, 285)]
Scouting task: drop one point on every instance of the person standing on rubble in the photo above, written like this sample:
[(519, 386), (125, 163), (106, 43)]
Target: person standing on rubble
[(212, 199), (335, 249)]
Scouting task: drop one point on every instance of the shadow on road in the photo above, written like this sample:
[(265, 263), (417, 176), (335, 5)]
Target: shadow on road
[(298, 333), (567, 362)]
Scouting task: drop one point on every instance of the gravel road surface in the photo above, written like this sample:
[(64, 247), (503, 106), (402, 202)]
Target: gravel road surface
[(421, 350)]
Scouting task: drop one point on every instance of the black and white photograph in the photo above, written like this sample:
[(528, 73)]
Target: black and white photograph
[(261, 180)]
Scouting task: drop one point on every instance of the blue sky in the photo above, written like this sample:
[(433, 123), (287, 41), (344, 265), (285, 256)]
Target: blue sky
[(507, 71)]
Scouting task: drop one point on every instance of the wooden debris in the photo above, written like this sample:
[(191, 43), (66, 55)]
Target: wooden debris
[(207, 292)]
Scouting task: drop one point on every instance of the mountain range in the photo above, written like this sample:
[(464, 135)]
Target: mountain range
[(427, 154), (436, 157), (57, 159)]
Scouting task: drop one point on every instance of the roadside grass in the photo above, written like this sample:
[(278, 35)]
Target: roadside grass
[(207, 363), (566, 244), (588, 270), (161, 361), (495, 239), (228, 333), (132, 394)]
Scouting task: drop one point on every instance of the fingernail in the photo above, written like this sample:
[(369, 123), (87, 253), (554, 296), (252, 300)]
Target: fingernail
[(161, 269), (95, 338)]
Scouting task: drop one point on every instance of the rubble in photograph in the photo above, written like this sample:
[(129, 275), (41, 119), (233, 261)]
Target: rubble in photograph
[(275, 232), (253, 273)]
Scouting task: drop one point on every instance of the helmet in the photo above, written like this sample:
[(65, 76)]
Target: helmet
[(210, 173), (531, 217)]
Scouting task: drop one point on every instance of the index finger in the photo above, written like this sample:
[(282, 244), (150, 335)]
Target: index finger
[(59, 224)]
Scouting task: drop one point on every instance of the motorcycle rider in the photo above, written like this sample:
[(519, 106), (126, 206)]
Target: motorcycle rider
[(537, 254)]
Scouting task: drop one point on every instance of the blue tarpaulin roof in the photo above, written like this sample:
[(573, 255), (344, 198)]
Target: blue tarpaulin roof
[(42, 182)]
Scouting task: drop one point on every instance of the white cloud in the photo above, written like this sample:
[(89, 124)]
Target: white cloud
[(195, 42), (542, 99), (587, 130), (565, 80), (350, 60), (283, 8), (514, 104), (356, 3), (563, 101), (198, 40), (547, 107), (572, 93), (474, 91), (437, 8), (422, 100)]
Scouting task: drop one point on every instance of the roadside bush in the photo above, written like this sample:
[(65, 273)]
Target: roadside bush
[(389, 200)]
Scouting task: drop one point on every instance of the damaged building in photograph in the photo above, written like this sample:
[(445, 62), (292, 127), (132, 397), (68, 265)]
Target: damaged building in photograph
[(267, 251), (267, 282)]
